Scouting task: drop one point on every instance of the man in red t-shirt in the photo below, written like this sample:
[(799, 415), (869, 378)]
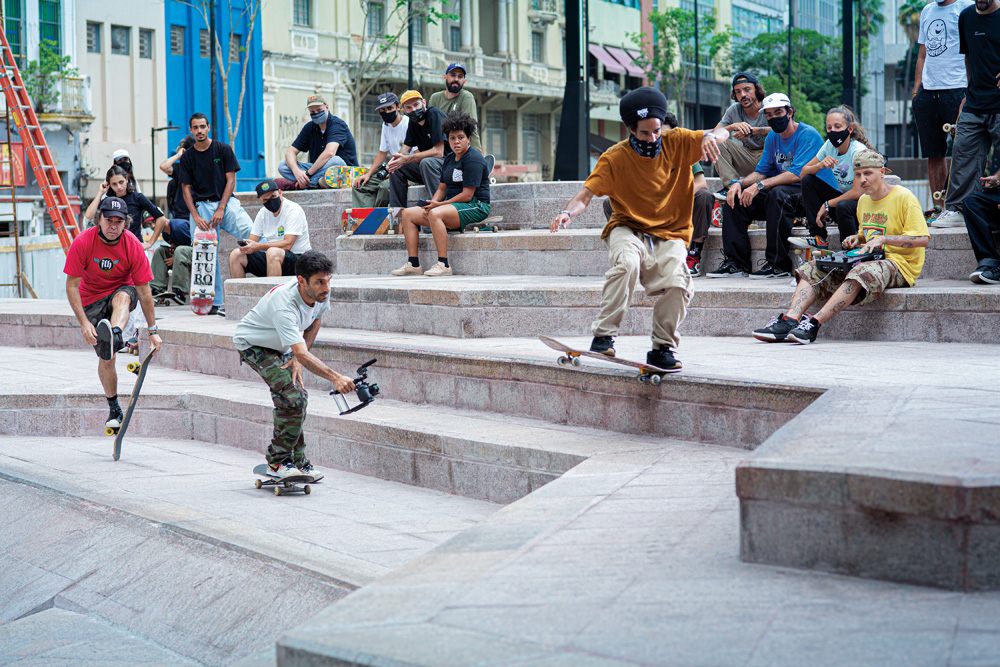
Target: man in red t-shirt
[(107, 275)]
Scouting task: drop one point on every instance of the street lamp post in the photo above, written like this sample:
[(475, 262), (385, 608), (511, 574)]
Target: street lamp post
[(211, 59), (152, 150)]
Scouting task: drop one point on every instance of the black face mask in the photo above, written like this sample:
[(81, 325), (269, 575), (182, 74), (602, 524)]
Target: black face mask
[(273, 204), (837, 138), (779, 124), (388, 117), (645, 148), (124, 164), (417, 115)]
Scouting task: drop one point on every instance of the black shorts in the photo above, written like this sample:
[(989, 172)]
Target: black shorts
[(257, 263), (101, 309), (932, 110)]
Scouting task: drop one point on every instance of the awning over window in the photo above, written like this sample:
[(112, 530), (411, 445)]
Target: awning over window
[(626, 60), (610, 64)]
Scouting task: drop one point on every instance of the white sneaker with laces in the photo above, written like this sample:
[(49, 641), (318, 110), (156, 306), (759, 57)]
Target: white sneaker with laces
[(439, 269), (949, 219), (407, 270)]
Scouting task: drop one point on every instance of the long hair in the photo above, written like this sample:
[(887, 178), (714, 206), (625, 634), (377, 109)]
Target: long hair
[(121, 171), (848, 115), (758, 90)]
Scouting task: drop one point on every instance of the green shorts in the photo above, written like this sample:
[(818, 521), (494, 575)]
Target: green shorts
[(471, 212)]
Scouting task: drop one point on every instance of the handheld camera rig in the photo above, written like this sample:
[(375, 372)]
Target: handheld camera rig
[(366, 391)]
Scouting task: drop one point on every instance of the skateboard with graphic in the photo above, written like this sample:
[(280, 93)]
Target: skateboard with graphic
[(283, 485), (571, 357), (371, 221), (204, 255), (139, 368)]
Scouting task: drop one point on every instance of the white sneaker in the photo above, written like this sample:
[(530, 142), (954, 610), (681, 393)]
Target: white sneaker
[(949, 219), (439, 269), (407, 270)]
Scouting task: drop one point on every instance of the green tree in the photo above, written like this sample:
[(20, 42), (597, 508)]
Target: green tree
[(41, 77), (672, 63)]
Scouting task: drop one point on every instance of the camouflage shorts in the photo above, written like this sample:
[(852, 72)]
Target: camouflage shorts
[(290, 402), (874, 277)]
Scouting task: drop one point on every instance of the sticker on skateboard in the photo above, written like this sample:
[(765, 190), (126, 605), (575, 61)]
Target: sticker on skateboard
[(139, 368), (282, 485), (371, 221), (204, 255), (571, 357)]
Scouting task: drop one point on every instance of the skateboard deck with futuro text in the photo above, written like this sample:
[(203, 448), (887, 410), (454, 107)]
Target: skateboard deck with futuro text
[(204, 255), (571, 356)]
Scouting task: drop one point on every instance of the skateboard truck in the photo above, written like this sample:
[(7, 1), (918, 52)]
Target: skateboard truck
[(366, 391)]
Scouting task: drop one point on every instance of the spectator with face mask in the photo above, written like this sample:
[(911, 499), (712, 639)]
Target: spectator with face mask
[(329, 142), (422, 154), (121, 158), (372, 189)]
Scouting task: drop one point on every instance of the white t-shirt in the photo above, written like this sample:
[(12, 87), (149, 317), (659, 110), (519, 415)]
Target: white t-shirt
[(392, 137), (278, 319), (944, 66), (844, 171), (291, 219)]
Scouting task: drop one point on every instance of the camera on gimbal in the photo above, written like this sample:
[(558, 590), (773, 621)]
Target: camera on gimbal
[(366, 391)]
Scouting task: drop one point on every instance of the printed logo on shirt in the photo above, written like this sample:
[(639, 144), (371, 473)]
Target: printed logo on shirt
[(784, 161), (281, 231), (106, 264), (873, 224), (457, 176), (840, 171), (937, 37)]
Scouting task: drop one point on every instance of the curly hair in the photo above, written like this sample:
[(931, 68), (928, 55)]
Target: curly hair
[(459, 122), (120, 171)]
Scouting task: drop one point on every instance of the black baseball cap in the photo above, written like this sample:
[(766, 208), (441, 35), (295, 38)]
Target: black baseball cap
[(112, 207), (745, 77), (265, 186), (385, 99)]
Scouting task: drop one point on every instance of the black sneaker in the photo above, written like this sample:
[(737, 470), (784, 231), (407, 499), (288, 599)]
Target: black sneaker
[(986, 275), (805, 332), (722, 194), (115, 418), (180, 299), (117, 341), (776, 331), (730, 268), (770, 271), (664, 358), (603, 345), (105, 340), (218, 310)]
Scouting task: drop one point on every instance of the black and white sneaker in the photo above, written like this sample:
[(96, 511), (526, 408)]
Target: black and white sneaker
[(729, 269), (664, 358), (308, 469), (105, 340), (986, 275), (115, 418), (722, 194), (776, 331), (286, 469), (603, 345), (805, 332), (770, 271)]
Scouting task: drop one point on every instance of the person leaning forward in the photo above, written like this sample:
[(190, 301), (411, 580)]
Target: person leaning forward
[(421, 156), (280, 234), (372, 189), (747, 129), (329, 142), (649, 181)]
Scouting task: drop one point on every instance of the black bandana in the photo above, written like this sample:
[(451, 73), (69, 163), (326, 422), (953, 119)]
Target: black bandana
[(645, 148)]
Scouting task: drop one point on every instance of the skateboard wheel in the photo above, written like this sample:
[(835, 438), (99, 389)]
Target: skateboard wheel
[(575, 361), (643, 378), (259, 484), (133, 367), (307, 489), (109, 431), (562, 361), (277, 490), (655, 379)]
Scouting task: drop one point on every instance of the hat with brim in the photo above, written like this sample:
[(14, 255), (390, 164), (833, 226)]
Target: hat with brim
[(776, 101), (410, 95), (315, 101), (868, 159), (265, 186), (113, 207), (386, 100)]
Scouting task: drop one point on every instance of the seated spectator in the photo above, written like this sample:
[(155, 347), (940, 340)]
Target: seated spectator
[(423, 151), (117, 182), (329, 142), (891, 221), (372, 189), (981, 219), (822, 202), (462, 198), (747, 129), (764, 193), (279, 235), (175, 257)]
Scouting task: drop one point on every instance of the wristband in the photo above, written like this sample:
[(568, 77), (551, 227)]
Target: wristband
[(152, 330), (566, 212), (735, 180), (827, 205)]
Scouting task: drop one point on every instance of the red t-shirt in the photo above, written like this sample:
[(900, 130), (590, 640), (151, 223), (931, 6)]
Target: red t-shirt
[(104, 268)]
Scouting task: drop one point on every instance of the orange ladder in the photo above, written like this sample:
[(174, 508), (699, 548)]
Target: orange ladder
[(42, 165)]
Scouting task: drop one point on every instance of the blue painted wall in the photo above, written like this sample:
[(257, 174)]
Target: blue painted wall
[(189, 86)]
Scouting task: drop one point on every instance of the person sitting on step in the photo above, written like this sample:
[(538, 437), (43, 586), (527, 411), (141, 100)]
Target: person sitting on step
[(462, 198), (648, 179), (279, 235), (892, 222)]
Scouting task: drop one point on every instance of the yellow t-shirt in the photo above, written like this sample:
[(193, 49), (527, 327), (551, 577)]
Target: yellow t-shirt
[(896, 214), (651, 195)]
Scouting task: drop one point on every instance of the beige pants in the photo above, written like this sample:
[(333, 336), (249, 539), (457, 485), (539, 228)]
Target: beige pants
[(661, 268), (736, 161)]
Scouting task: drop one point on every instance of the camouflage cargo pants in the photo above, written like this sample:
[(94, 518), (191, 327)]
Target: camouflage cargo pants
[(289, 405)]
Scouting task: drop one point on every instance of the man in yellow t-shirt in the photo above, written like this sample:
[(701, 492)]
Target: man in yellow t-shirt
[(891, 220), (649, 182)]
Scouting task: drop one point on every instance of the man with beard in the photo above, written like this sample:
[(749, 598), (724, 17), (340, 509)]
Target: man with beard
[(454, 97), (329, 142), (421, 156), (274, 339), (372, 189), (747, 129), (107, 275)]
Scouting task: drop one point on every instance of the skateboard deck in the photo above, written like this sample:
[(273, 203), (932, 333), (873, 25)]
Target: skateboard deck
[(371, 221), (342, 177), (571, 356), (204, 255), (139, 368), (282, 485)]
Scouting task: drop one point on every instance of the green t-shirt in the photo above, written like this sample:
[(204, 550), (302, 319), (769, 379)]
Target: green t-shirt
[(465, 102)]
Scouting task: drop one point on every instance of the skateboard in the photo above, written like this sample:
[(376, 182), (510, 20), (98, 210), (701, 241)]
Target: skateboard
[(490, 224), (950, 128), (205, 250), (166, 299), (139, 368), (282, 485), (571, 357), (370, 221), (342, 177)]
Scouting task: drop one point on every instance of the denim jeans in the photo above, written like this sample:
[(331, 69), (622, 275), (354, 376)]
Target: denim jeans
[(286, 172)]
